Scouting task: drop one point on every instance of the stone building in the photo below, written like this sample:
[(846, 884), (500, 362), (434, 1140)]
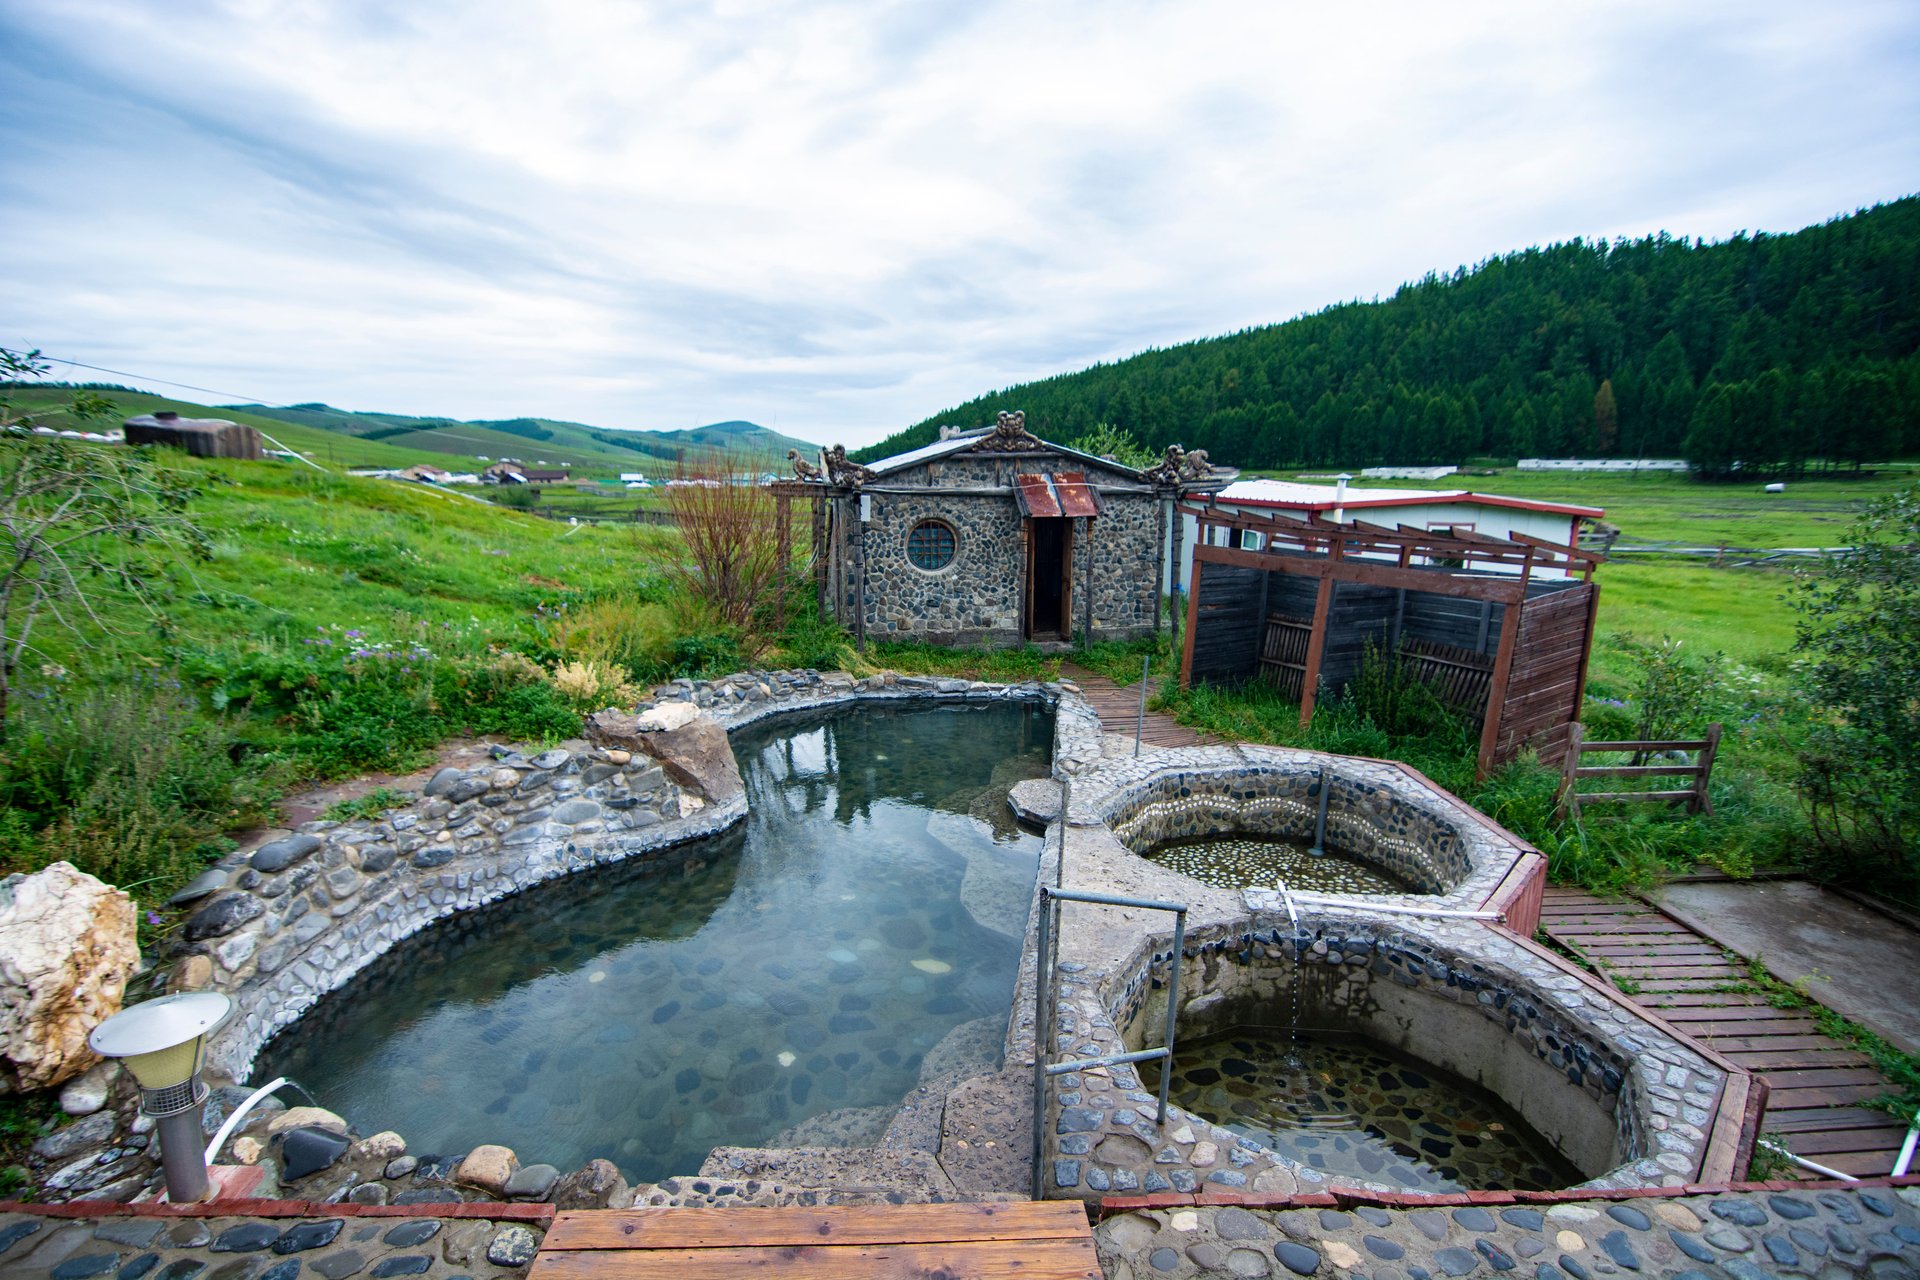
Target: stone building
[(997, 537)]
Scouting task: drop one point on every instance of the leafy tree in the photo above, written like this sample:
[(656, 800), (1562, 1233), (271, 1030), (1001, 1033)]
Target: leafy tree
[(1859, 632), (79, 522), (1109, 441)]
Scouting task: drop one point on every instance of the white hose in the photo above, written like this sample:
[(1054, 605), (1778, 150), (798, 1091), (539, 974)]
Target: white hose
[(239, 1114), (1906, 1148), (1804, 1163)]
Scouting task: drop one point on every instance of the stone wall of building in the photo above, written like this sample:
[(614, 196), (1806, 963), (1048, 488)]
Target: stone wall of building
[(978, 597)]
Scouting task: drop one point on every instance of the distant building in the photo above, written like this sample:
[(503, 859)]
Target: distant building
[(503, 473), (425, 474), (1604, 464), (633, 477), (1428, 510), (1407, 473), (536, 475), (201, 437)]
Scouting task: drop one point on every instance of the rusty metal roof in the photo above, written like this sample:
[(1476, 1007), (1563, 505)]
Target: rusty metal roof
[(1064, 493)]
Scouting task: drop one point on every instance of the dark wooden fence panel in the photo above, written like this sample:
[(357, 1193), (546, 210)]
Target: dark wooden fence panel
[(1451, 620), (1543, 687), (1360, 614), (1227, 634)]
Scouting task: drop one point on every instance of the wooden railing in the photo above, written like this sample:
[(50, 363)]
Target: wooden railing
[(1699, 769)]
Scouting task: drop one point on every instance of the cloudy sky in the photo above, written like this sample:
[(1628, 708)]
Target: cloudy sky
[(839, 217)]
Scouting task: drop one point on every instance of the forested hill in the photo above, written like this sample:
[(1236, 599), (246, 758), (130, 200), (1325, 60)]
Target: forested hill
[(1771, 351)]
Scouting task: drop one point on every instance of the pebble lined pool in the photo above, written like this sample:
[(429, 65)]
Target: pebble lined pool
[(1250, 862), (1350, 1109), (785, 985)]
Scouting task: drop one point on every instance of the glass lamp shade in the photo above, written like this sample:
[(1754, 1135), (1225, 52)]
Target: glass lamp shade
[(163, 1042)]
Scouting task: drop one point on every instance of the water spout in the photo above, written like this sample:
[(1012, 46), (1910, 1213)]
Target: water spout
[(1319, 849)]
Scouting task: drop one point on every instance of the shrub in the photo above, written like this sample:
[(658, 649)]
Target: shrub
[(127, 780), (589, 686), (1859, 770), (621, 631)]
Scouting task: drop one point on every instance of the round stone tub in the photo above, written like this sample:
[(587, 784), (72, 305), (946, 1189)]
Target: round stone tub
[(1621, 1102), (1381, 815)]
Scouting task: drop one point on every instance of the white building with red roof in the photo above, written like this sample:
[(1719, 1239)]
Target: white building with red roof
[(1462, 510)]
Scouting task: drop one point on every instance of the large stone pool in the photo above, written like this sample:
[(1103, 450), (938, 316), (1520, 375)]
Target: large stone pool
[(785, 985)]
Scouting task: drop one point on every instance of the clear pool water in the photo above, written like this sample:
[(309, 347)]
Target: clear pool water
[(787, 984), (1262, 862), (1357, 1111)]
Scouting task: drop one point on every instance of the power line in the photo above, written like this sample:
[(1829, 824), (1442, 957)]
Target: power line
[(185, 386)]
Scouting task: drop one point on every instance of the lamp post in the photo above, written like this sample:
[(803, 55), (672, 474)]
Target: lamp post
[(164, 1044)]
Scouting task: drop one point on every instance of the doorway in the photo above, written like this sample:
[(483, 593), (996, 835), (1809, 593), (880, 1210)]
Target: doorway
[(1049, 579)]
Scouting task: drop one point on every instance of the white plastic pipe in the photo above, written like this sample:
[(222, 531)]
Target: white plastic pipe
[(1906, 1148), (239, 1114), (1807, 1164)]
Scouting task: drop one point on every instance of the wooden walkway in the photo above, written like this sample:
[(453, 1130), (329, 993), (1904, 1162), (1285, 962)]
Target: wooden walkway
[(1045, 1241), (1817, 1084), (1119, 709)]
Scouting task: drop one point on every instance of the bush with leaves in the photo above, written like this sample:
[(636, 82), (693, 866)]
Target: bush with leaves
[(1858, 636)]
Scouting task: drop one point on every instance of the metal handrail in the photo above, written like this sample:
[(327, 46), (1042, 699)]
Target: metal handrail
[(1043, 1008)]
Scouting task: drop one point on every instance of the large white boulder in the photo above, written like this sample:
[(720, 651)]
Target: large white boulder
[(67, 948)]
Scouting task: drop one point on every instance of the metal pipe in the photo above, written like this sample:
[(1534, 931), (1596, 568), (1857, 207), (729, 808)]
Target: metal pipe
[(1906, 1148), (1140, 721), (1110, 1060), (1805, 1163), (179, 1136), (1042, 1033), (1319, 849), (1108, 900), (239, 1114), (1173, 1009)]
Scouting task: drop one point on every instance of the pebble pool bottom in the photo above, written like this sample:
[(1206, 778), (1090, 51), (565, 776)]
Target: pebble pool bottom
[(1243, 862), (784, 985), (1356, 1111)]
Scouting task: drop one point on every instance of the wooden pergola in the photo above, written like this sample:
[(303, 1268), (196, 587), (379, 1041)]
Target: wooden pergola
[(1501, 628)]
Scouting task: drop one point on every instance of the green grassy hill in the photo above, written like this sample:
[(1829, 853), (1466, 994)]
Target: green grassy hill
[(595, 451)]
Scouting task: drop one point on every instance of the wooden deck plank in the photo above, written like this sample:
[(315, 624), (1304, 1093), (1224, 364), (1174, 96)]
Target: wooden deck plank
[(1119, 710), (1815, 1082), (700, 1228), (969, 1260)]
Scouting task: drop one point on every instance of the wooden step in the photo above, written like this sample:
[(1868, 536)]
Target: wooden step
[(1035, 1241)]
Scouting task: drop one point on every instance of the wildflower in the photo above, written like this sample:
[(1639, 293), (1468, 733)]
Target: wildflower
[(154, 917)]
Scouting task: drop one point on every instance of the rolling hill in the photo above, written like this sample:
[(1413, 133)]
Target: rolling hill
[(550, 441)]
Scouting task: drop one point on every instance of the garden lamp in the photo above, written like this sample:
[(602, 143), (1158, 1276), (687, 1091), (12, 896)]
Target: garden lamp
[(163, 1043)]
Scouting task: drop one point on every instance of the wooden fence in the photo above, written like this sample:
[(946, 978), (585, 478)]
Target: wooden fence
[(1699, 769)]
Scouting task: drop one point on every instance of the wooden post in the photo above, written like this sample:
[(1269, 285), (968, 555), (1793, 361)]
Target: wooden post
[(838, 574), (1569, 804), (1316, 651), (1193, 610), (1497, 686), (1701, 803), (820, 556), (1173, 579)]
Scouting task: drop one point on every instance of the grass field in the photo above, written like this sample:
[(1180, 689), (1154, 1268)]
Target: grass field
[(294, 550), (1813, 512)]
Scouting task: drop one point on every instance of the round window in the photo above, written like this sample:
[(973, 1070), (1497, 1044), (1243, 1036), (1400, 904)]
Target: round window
[(930, 545)]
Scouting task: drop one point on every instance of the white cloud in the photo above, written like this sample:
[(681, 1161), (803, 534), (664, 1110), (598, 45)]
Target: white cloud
[(838, 218)]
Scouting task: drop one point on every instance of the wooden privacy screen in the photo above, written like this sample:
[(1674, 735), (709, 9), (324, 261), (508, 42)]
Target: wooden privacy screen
[(1464, 611)]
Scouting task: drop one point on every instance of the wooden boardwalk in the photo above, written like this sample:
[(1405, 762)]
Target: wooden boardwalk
[(1045, 1241), (1119, 709), (1817, 1084)]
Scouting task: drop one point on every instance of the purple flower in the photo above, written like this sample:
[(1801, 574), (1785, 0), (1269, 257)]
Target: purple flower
[(153, 917)]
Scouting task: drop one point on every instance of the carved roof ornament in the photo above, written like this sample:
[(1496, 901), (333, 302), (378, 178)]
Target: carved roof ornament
[(1168, 469), (842, 470), (802, 468), (1196, 466), (1010, 435)]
